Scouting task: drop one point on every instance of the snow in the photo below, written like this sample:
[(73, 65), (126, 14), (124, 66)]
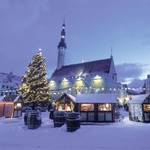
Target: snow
[(2, 98), (17, 98), (96, 98), (124, 135), (138, 99), (72, 97)]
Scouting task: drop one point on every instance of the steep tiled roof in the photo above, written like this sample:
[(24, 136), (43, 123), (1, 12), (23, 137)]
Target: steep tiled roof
[(87, 67)]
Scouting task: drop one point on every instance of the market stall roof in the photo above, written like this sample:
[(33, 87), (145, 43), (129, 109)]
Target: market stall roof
[(87, 67), (17, 99), (64, 97), (138, 99), (2, 98), (72, 97), (96, 98)]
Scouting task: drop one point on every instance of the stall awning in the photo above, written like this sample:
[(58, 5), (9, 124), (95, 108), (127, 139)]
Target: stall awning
[(138, 99), (96, 98)]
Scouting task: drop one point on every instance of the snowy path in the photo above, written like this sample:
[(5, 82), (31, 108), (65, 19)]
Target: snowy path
[(126, 135)]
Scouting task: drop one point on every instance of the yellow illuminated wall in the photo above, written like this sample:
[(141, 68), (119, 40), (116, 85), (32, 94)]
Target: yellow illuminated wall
[(79, 84), (97, 82), (52, 85), (65, 84)]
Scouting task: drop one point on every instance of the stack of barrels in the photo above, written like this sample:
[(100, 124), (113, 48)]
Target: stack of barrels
[(72, 120)]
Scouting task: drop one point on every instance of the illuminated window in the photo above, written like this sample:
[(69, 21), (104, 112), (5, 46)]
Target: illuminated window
[(79, 84), (104, 107), (18, 106), (65, 83), (64, 106), (97, 82), (87, 107), (52, 85), (147, 107)]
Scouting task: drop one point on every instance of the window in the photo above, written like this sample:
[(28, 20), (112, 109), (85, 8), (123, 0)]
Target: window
[(87, 107), (104, 107), (101, 116), (147, 107), (52, 85), (108, 116), (79, 84), (64, 106), (91, 116), (97, 82), (83, 116), (65, 83)]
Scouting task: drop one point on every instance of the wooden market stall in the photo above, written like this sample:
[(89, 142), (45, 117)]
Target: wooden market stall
[(65, 103), (17, 107), (2, 104), (96, 107), (139, 108), (10, 109)]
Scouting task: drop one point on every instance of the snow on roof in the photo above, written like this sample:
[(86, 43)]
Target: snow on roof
[(2, 98), (17, 98), (96, 98), (62, 97), (72, 97), (138, 99), (87, 67)]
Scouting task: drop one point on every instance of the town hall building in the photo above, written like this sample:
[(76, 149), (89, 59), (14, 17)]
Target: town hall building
[(98, 76)]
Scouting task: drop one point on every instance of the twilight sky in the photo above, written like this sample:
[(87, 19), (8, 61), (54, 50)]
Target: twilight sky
[(92, 26)]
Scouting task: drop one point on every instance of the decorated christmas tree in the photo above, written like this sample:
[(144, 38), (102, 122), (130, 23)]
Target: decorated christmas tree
[(35, 86)]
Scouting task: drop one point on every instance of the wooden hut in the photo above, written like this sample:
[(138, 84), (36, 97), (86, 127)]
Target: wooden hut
[(96, 107), (2, 104), (17, 107), (10, 109), (139, 108), (65, 103)]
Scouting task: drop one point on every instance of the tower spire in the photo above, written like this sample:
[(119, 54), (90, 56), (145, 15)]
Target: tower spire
[(62, 43), (61, 48)]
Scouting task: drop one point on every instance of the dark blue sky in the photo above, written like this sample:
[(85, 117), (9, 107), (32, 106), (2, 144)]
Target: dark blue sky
[(92, 26)]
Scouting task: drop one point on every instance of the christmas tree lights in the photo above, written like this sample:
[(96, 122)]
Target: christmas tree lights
[(35, 86)]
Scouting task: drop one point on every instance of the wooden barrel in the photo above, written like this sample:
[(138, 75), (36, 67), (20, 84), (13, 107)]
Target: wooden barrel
[(73, 121), (33, 120), (59, 118), (25, 118)]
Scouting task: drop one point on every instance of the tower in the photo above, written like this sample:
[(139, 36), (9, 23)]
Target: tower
[(61, 48)]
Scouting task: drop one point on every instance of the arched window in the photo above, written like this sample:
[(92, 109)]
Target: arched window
[(52, 85), (79, 84), (65, 83), (97, 82)]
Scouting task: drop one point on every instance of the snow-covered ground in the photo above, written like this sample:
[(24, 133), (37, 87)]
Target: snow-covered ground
[(124, 135)]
